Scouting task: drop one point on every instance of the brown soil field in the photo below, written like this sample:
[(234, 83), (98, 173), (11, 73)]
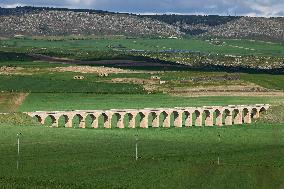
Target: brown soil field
[(120, 63), (10, 102)]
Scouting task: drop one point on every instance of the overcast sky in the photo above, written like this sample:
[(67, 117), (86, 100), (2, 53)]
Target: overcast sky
[(222, 7)]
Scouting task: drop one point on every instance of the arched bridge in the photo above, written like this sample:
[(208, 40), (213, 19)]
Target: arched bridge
[(160, 117)]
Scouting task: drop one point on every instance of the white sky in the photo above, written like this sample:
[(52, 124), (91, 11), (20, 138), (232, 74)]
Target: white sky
[(265, 8)]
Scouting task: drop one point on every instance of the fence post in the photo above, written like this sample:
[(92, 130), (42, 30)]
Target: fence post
[(18, 149), (136, 145)]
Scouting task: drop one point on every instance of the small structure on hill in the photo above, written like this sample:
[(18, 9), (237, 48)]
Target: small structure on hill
[(162, 82), (103, 74), (78, 77), (155, 77)]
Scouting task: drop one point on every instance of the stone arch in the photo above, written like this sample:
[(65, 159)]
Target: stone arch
[(130, 119), (263, 110), (165, 117), (237, 116), (65, 121), (228, 117), (92, 121), (51, 120), (254, 113), (107, 117), (218, 117), (177, 118), (208, 116), (154, 119), (118, 120), (78, 120), (187, 117), (197, 118), (40, 119), (143, 119)]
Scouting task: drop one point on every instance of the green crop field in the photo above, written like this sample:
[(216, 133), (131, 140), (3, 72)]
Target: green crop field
[(250, 157), (233, 47), (82, 101), (266, 80), (39, 79), (63, 83)]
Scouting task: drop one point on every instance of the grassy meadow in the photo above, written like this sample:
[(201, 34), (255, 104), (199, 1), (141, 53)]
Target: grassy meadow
[(250, 156), (50, 84), (234, 47), (265, 80), (79, 101)]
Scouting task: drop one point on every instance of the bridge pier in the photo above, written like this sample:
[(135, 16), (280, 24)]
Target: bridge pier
[(144, 118), (238, 120), (199, 117), (166, 119), (82, 121), (132, 120), (55, 120), (177, 118), (219, 117), (107, 119), (228, 117), (68, 121), (156, 120), (95, 120), (247, 116), (209, 118), (188, 119), (255, 113), (120, 120)]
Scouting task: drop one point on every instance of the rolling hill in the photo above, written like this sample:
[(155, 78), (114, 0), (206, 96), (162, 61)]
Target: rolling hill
[(63, 22), (41, 21)]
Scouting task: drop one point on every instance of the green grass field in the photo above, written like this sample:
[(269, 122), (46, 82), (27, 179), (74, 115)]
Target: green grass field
[(266, 80), (51, 83), (250, 157), (234, 47), (81, 101), (45, 81)]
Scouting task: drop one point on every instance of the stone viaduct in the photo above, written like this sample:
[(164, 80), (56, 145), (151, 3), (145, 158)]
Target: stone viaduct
[(160, 117)]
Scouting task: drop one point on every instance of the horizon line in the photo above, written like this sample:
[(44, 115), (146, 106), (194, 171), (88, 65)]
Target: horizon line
[(144, 13)]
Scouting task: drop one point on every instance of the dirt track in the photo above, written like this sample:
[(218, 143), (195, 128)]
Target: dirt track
[(10, 102), (230, 93), (245, 89), (90, 69)]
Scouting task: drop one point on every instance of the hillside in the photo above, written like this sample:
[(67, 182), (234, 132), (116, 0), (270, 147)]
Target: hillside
[(251, 28), (44, 21), (69, 22), (193, 24), (226, 26)]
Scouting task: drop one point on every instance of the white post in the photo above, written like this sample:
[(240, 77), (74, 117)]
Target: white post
[(218, 151), (136, 146), (18, 141)]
